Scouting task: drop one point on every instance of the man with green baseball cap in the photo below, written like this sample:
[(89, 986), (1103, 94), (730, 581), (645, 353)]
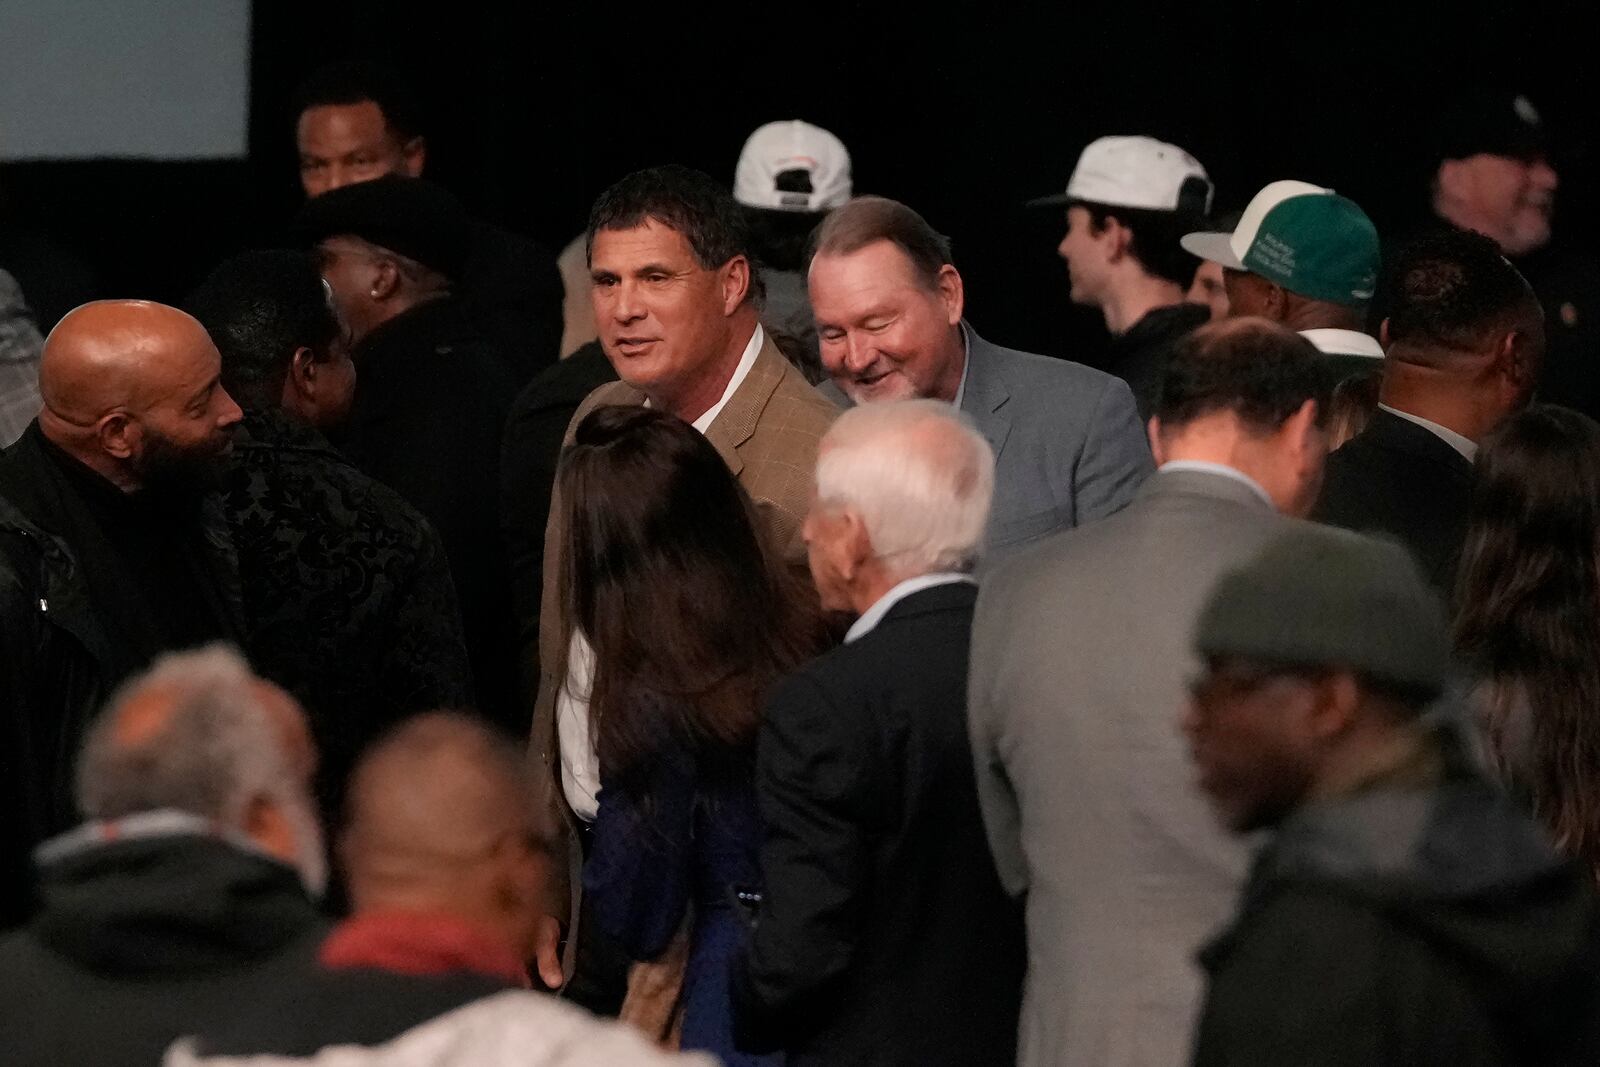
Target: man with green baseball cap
[(1307, 257), (1404, 909)]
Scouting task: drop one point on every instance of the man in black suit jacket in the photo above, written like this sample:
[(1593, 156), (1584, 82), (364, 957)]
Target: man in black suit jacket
[(1464, 340), (883, 935)]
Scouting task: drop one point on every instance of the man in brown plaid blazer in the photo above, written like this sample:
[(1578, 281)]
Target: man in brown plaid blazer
[(677, 306)]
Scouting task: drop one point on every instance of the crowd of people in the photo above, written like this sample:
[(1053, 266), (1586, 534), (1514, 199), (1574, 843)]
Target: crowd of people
[(702, 645)]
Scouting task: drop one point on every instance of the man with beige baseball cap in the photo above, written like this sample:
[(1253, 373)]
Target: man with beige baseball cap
[(1127, 203)]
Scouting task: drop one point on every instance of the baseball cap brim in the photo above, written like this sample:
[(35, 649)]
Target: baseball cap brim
[(1053, 200), (1216, 247)]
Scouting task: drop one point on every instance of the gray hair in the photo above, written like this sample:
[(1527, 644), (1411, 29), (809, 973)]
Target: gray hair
[(213, 755), (920, 476)]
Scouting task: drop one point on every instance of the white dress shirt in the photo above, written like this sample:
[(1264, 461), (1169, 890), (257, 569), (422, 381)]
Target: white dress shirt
[(1344, 343), (580, 765), (874, 615)]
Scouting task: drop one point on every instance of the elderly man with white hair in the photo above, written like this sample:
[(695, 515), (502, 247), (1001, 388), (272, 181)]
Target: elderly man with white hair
[(189, 890), (881, 902)]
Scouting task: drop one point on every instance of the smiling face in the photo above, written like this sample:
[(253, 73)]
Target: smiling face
[(1510, 200), (884, 332), (663, 318)]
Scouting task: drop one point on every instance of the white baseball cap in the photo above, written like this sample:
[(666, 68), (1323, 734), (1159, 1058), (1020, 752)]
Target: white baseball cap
[(792, 166), (1136, 172)]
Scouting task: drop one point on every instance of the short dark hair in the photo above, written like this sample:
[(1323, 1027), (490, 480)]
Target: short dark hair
[(259, 307), (1451, 289), (1155, 238), (868, 219), (355, 81), (682, 198), (1261, 371)]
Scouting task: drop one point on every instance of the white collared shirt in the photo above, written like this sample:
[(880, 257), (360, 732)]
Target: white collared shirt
[(1344, 343), (740, 373), (1465, 445), (580, 764), (874, 615), (1221, 469), (966, 364)]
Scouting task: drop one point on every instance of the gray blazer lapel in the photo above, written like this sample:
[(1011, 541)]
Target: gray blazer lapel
[(986, 394)]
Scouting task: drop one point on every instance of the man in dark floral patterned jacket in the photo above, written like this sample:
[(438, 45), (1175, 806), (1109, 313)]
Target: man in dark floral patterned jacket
[(347, 595)]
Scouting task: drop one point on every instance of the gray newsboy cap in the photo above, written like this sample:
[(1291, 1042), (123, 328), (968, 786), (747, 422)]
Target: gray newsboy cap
[(1321, 597)]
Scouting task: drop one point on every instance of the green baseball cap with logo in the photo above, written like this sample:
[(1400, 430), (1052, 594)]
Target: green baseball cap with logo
[(1308, 239)]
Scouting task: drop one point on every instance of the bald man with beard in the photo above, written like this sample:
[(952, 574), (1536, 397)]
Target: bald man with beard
[(111, 547), (446, 876)]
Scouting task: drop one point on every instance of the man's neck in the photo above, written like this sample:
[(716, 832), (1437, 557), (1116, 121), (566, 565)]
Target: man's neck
[(1318, 315), (701, 394), (1437, 397), (955, 366), (1136, 296)]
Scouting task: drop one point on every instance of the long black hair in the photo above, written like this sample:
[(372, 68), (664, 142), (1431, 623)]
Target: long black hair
[(667, 573), (1528, 616)]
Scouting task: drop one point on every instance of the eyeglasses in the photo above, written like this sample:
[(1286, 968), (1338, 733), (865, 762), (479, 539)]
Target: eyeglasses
[(1231, 681)]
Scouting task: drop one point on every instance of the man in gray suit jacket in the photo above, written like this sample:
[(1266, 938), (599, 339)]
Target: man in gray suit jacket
[(1068, 443), (1080, 660)]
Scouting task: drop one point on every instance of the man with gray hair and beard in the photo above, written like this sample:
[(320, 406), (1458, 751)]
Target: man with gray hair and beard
[(881, 902), (189, 891)]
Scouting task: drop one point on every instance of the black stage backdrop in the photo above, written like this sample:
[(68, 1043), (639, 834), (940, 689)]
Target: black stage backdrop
[(964, 111)]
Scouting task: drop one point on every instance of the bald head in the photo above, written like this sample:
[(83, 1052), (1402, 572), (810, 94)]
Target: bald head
[(127, 383), (439, 818)]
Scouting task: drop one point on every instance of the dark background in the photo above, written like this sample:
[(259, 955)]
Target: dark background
[(964, 113)]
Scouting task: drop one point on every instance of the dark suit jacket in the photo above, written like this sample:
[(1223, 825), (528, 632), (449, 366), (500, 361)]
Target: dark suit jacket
[(430, 408), (1396, 477), (884, 936)]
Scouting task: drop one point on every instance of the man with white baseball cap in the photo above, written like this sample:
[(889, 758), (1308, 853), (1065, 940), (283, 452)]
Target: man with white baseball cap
[(1128, 202), (789, 176), (1306, 257)]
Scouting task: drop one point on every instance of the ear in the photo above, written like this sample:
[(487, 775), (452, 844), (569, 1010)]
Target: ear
[(415, 153), (1335, 702), (266, 825), (1511, 356), (1158, 447), (1277, 302), (952, 293), (1118, 238), (735, 283), (1450, 177), (1383, 334), (119, 435), (300, 382), (385, 279)]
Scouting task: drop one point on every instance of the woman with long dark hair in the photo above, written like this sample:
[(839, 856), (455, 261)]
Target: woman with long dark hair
[(691, 616), (1528, 617)]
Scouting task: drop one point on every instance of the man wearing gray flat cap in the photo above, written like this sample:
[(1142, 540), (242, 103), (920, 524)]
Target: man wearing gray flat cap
[(1403, 910)]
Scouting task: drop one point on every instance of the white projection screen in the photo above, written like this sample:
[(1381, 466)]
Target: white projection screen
[(125, 79)]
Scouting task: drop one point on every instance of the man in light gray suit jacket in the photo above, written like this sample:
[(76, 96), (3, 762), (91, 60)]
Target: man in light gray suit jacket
[(1080, 661), (1068, 443)]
